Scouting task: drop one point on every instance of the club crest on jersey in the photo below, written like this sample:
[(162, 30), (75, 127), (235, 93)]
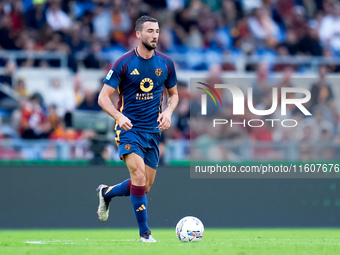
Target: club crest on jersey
[(146, 81), (158, 71), (108, 76), (127, 147)]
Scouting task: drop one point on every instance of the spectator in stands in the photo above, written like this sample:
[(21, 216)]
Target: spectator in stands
[(102, 21), (323, 96), (90, 102), (227, 15), (20, 88), (64, 133), (56, 18), (186, 26), (57, 43), (311, 7), (208, 24), (35, 15), (305, 137), (180, 128), (78, 90), (59, 129), (321, 92), (7, 34), (61, 97), (317, 122), (327, 135), (54, 41), (28, 44), (261, 85), (136, 8), (120, 23), (264, 29), (92, 59), (283, 53), (328, 60), (33, 123), (6, 135), (17, 16), (286, 77), (165, 41), (52, 117), (297, 21), (284, 9), (330, 28), (310, 44), (7, 77), (75, 39), (87, 30), (291, 42)]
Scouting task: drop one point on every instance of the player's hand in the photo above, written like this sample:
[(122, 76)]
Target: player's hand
[(124, 123), (165, 120)]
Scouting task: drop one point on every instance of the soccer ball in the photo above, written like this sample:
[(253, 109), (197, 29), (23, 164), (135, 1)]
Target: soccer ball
[(189, 229)]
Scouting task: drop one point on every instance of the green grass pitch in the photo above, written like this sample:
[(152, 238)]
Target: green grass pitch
[(215, 241)]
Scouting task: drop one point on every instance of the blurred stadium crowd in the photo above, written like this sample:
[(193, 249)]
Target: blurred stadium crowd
[(88, 31)]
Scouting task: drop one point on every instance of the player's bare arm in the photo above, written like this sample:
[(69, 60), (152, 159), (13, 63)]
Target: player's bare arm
[(165, 117), (104, 100)]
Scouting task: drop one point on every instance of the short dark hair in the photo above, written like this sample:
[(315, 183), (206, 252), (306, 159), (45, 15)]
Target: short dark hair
[(142, 20)]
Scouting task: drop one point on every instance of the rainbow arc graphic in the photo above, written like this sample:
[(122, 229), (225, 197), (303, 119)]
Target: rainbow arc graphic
[(204, 97)]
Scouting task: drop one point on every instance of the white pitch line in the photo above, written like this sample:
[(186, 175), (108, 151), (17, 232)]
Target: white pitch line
[(51, 242), (70, 242), (35, 242), (124, 240)]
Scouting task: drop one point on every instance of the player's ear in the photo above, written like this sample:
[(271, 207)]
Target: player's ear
[(138, 34)]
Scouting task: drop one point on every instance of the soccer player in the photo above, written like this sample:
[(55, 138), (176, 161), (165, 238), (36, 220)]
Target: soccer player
[(139, 76)]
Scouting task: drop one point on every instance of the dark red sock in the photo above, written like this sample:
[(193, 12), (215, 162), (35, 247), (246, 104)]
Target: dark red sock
[(137, 191)]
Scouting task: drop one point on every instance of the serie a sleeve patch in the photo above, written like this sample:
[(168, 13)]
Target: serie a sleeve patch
[(108, 76)]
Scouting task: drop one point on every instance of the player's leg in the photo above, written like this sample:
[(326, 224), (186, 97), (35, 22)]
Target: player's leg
[(118, 190), (150, 177), (123, 188), (136, 166), (106, 193), (151, 160)]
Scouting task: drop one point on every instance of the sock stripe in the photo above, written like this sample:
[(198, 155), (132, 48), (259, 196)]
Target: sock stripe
[(137, 191), (109, 189)]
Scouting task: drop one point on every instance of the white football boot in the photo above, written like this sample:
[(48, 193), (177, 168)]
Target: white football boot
[(147, 237), (103, 207)]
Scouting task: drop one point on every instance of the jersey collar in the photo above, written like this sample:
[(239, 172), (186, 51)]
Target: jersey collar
[(136, 51)]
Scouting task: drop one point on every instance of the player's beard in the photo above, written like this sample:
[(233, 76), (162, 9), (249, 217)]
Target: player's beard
[(148, 46)]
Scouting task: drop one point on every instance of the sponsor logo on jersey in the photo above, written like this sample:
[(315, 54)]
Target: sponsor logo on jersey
[(146, 81), (135, 72)]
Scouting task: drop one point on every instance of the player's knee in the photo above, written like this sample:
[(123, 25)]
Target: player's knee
[(139, 178), (148, 186)]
